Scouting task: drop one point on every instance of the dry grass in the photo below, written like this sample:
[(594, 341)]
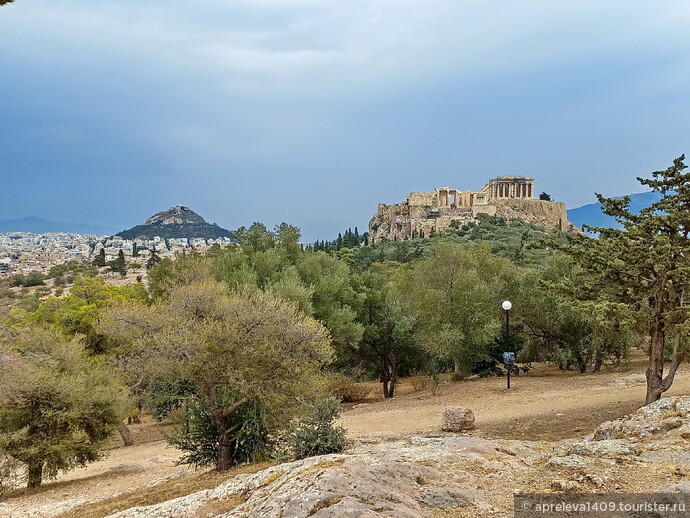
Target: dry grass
[(174, 488), (220, 506)]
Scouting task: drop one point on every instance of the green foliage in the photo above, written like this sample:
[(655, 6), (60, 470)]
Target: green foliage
[(350, 239), (566, 320), (29, 280), (169, 395), (237, 350), (10, 473), (154, 258), (66, 273), (387, 341), (521, 242), (99, 260), (78, 313), (315, 433), (454, 297), (196, 434), (59, 407), (119, 265), (29, 302), (645, 265), (176, 230), (274, 262)]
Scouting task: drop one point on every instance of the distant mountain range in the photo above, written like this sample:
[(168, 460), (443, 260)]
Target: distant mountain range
[(591, 214), (43, 226), (176, 222)]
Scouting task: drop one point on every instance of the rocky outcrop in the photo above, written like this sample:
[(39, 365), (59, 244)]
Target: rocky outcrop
[(422, 215), (393, 479), (417, 476), (178, 214)]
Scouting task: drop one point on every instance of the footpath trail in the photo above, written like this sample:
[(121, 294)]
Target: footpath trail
[(546, 404)]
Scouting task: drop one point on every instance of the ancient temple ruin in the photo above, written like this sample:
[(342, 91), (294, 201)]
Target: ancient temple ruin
[(509, 187), (426, 213)]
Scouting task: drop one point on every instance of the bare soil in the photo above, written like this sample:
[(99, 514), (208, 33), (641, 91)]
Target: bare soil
[(544, 405)]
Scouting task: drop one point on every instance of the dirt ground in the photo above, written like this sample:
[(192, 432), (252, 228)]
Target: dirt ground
[(544, 405), (121, 470)]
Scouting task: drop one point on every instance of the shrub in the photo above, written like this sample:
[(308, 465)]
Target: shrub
[(346, 389), (434, 383), (315, 433), (419, 381)]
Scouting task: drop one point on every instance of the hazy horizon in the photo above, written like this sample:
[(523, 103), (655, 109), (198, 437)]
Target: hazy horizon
[(312, 112)]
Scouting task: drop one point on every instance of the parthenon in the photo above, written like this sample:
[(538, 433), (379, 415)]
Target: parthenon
[(427, 213), (509, 187)]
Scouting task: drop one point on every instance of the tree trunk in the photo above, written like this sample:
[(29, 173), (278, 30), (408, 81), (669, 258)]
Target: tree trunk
[(676, 359), (456, 365), (125, 433), (655, 368), (226, 450), (35, 474)]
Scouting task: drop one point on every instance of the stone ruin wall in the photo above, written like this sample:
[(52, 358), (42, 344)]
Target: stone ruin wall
[(402, 221)]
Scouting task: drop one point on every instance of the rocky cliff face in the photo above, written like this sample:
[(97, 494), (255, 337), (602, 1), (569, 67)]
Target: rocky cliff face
[(404, 221), (427, 476), (178, 214)]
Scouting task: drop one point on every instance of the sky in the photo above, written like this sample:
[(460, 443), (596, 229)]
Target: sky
[(314, 111)]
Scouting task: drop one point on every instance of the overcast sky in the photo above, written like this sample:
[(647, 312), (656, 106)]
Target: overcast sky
[(313, 111)]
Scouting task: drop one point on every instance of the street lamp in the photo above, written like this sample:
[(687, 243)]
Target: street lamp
[(508, 357)]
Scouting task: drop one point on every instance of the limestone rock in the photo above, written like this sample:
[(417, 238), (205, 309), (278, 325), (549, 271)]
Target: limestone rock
[(409, 478), (457, 419), (569, 461), (664, 418), (612, 448), (680, 487), (414, 476), (629, 381)]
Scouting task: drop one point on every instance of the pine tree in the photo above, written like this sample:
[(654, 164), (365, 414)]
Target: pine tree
[(646, 266), (59, 407), (154, 259), (99, 260), (119, 265)]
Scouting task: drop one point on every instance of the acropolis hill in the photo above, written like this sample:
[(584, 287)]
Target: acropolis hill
[(428, 213)]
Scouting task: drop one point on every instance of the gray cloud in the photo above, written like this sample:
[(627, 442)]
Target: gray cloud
[(313, 111)]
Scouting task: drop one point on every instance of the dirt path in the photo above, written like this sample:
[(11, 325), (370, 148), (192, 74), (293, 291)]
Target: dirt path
[(545, 404)]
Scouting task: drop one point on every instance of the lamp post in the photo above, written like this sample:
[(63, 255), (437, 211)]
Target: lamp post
[(508, 357)]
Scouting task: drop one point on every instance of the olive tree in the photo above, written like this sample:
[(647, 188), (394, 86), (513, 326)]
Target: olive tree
[(236, 350), (454, 296)]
